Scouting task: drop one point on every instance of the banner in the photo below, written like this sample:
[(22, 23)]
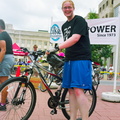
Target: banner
[(101, 31), (104, 31)]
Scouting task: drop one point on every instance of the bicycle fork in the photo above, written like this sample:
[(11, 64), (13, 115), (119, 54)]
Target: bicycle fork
[(16, 101)]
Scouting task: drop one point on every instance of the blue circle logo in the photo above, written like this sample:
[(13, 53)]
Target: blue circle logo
[(55, 32)]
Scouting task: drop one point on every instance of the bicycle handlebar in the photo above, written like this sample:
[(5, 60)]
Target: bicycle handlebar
[(39, 52), (32, 53), (52, 57)]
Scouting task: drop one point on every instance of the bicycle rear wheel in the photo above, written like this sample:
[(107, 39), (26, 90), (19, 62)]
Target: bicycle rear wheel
[(96, 81), (21, 100), (90, 94)]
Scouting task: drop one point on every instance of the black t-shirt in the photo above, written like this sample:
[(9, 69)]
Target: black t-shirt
[(80, 50), (5, 36)]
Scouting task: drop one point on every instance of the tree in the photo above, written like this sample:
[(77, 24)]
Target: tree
[(93, 15), (100, 53)]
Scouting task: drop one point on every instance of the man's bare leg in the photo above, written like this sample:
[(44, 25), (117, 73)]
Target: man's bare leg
[(73, 105), (82, 102), (4, 92)]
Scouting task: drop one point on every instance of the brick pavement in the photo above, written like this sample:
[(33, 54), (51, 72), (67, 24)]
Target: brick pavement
[(103, 111)]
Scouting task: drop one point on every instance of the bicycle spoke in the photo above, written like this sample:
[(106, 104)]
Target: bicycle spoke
[(18, 108)]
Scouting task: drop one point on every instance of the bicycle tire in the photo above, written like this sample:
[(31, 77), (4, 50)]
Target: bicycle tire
[(91, 94), (96, 81), (17, 108)]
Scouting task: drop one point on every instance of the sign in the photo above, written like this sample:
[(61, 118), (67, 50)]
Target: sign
[(104, 31), (56, 33)]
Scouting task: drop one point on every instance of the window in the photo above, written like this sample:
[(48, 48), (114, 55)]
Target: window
[(112, 2), (100, 10), (103, 7), (106, 16), (23, 41), (40, 43), (107, 3), (116, 11), (28, 41), (34, 41), (17, 41), (45, 43)]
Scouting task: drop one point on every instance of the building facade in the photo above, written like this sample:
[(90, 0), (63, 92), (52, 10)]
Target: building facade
[(29, 38), (107, 9), (116, 7)]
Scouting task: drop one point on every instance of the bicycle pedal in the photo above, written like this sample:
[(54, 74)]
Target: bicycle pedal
[(53, 112)]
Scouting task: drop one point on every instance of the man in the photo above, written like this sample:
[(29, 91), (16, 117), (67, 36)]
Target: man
[(77, 68), (6, 61)]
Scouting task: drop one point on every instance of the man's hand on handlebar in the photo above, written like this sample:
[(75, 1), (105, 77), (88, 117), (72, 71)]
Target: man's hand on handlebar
[(53, 50)]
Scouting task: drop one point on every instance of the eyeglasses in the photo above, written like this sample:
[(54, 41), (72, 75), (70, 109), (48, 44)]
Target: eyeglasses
[(65, 8)]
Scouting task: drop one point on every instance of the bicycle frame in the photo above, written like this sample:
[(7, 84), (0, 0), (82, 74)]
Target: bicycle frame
[(38, 68)]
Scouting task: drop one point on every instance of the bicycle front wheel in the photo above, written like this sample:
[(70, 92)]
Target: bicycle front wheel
[(90, 94), (21, 99)]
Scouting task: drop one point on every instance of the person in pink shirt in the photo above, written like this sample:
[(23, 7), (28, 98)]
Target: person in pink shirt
[(61, 54)]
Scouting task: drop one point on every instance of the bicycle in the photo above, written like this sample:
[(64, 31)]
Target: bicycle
[(110, 75), (21, 98), (95, 76), (56, 68)]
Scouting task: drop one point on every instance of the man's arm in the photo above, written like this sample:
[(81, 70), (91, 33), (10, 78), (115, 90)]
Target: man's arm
[(2, 49), (69, 42)]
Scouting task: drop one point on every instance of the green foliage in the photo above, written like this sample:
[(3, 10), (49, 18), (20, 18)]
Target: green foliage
[(100, 53), (93, 15)]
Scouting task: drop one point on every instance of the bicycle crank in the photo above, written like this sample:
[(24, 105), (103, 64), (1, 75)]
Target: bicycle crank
[(53, 102)]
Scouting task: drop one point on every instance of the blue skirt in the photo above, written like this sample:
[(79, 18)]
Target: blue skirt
[(77, 74)]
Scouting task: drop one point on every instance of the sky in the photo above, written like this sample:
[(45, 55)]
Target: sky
[(34, 15)]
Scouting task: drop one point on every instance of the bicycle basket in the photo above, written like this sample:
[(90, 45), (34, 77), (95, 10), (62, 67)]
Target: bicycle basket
[(54, 60)]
